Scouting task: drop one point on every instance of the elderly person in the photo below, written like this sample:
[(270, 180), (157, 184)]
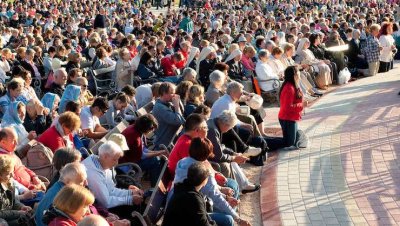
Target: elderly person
[(372, 50), (192, 58), (215, 89), (25, 176), (265, 72), (123, 69), (275, 61), (38, 118), (305, 56), (188, 74), (168, 113), (226, 157), (71, 173), (86, 97), (71, 93), (235, 66), (29, 65), (51, 101), (354, 54), (27, 93), (61, 134), (60, 80), (100, 171)]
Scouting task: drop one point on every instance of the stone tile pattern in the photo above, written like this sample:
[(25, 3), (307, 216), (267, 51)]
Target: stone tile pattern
[(350, 172)]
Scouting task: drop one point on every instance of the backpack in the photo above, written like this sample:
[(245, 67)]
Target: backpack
[(302, 139), (39, 159)]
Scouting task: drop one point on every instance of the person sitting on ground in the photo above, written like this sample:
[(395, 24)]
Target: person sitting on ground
[(148, 160), (187, 205), (90, 122), (100, 173), (11, 209)]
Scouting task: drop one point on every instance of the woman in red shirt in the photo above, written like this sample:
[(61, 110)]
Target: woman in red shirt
[(291, 102), (61, 134)]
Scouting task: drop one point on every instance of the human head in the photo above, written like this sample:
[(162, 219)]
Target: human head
[(8, 139), (99, 106), (189, 74), (166, 91), (196, 125), (130, 91), (289, 49), (66, 155), (26, 76), (74, 107), (277, 52), (73, 173), (235, 90), (196, 94), (201, 149), (223, 67), (374, 29), (146, 123), (263, 55), (74, 74), (109, 154), (82, 82), (93, 220), (226, 121), (183, 89), (74, 200), (14, 87), (217, 78), (121, 101), (60, 77), (197, 175), (203, 110), (70, 122)]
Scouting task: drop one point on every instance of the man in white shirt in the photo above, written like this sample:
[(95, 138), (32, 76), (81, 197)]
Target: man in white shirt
[(100, 172), (90, 122)]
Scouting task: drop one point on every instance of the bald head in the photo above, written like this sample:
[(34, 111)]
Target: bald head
[(93, 220), (8, 139)]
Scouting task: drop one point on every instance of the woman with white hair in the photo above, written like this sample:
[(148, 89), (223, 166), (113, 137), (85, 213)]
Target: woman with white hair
[(305, 56), (264, 72), (205, 64), (214, 91)]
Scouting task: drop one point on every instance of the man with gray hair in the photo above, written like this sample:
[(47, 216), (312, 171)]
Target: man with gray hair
[(60, 79), (72, 173), (100, 171), (226, 157)]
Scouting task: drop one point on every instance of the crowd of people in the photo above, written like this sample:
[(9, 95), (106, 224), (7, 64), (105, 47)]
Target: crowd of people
[(189, 82)]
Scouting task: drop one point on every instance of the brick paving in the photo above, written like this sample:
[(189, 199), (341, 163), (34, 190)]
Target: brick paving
[(350, 172)]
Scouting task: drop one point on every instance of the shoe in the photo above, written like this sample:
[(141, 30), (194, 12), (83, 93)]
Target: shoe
[(317, 92), (251, 188), (252, 151)]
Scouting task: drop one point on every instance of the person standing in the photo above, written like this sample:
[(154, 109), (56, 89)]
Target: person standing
[(372, 50)]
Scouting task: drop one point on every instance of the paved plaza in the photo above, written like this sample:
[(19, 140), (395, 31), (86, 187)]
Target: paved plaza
[(350, 172)]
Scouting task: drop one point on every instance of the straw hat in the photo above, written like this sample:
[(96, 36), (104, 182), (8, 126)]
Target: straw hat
[(120, 140)]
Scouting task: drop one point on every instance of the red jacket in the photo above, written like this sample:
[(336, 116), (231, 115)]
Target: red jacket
[(180, 151), (62, 221), (168, 65), (21, 173), (53, 140), (181, 64), (291, 107), (135, 144)]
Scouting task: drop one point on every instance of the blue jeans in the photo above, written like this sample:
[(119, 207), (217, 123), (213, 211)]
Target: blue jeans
[(172, 79), (222, 219), (289, 130), (231, 183), (153, 166)]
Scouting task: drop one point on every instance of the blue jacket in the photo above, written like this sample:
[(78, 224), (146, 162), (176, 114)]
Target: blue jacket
[(47, 201)]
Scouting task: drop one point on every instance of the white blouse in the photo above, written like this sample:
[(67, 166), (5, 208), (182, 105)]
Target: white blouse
[(386, 41)]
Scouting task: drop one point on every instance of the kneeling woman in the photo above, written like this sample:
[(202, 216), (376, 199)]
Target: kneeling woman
[(291, 102)]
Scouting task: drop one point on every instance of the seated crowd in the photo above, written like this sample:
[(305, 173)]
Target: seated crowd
[(183, 100)]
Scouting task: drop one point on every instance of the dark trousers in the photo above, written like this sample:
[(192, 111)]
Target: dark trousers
[(13, 217), (289, 130), (235, 139), (384, 67), (153, 166)]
